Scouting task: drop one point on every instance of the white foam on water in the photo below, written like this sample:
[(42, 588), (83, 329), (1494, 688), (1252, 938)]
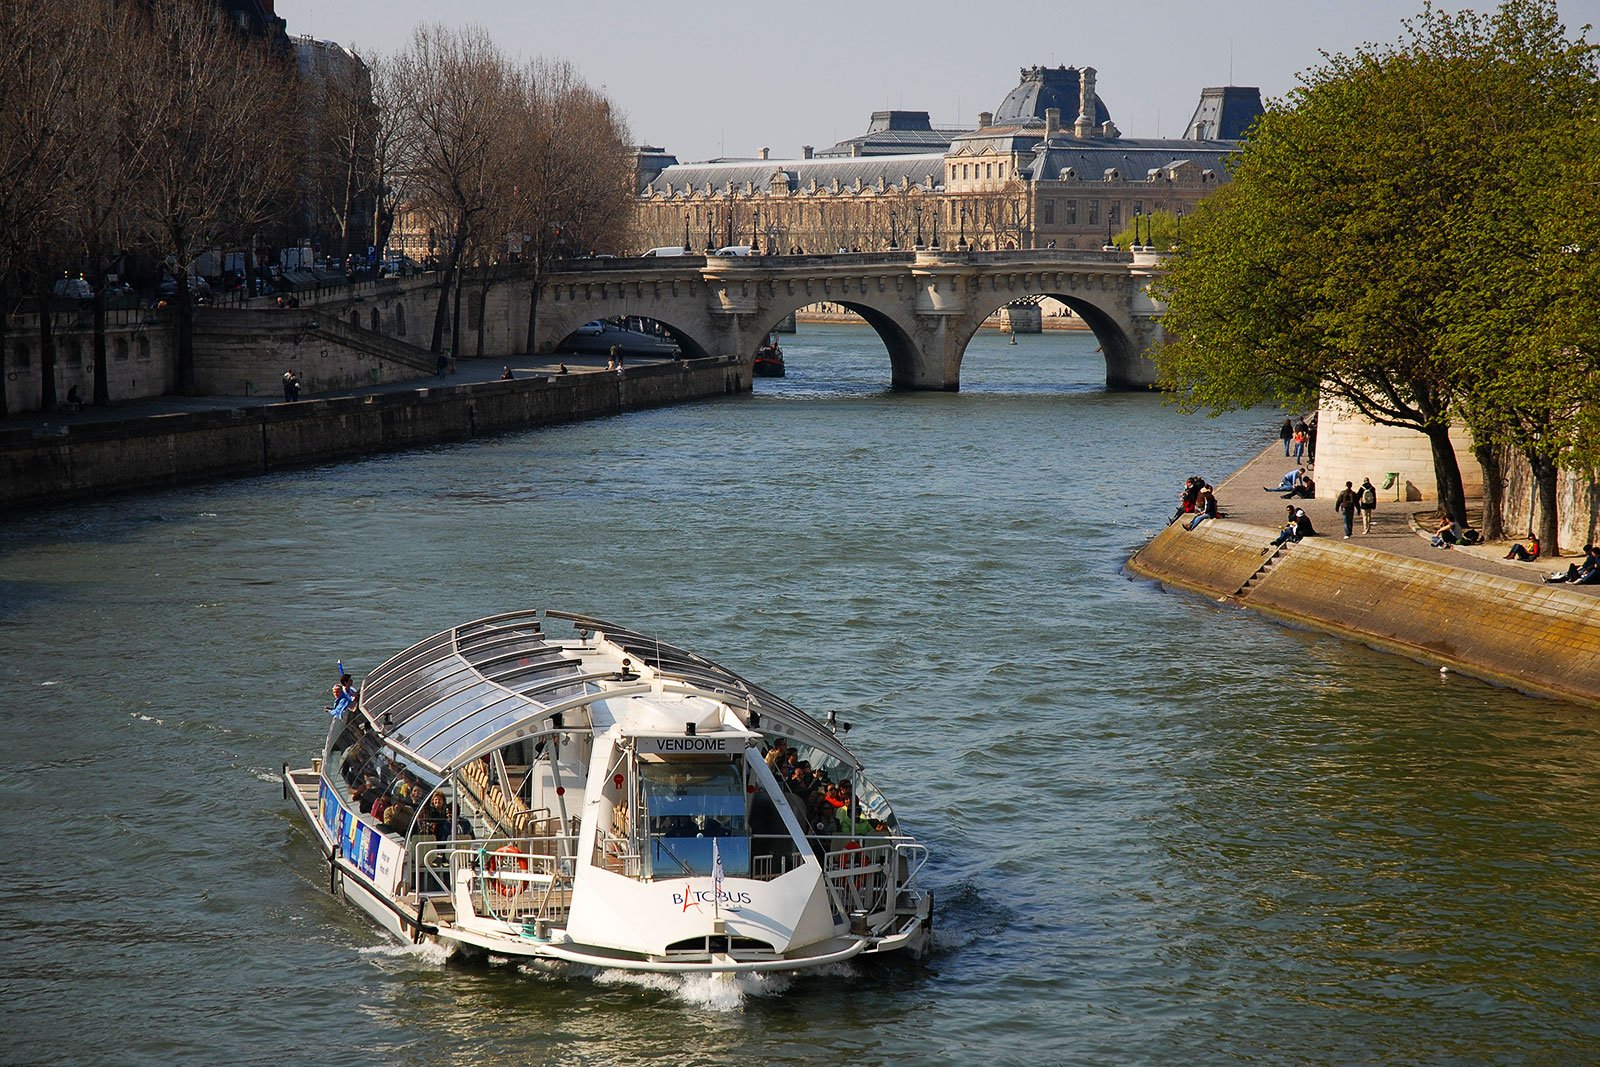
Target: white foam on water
[(429, 952), (49, 683), (268, 776), (709, 991), (147, 718)]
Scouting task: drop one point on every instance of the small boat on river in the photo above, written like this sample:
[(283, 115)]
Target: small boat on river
[(768, 360), (603, 798)]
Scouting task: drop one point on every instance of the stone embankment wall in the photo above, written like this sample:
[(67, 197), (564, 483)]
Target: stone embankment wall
[(1542, 639), (98, 457)]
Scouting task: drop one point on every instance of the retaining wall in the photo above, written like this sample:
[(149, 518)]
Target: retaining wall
[(1538, 638), (98, 457)]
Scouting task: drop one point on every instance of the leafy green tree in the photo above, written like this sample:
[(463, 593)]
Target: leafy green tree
[(1160, 230), (1520, 333), (1339, 256)]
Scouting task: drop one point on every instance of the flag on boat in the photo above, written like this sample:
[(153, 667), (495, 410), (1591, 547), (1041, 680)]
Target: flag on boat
[(716, 870)]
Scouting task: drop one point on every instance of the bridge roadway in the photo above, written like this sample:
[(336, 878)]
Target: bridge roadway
[(925, 305)]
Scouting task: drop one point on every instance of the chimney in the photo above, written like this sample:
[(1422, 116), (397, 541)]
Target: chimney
[(765, 152), (855, 151), (985, 119), (805, 151), (1052, 122), (1084, 126)]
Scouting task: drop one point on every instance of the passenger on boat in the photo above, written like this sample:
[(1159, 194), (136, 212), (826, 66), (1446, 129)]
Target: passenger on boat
[(775, 753), (380, 804), (435, 818)]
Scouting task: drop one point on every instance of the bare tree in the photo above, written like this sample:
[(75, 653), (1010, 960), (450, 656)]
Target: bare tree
[(450, 96), (43, 49), (223, 144)]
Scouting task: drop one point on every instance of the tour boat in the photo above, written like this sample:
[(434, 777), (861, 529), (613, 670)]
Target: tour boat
[(604, 798), (768, 360)]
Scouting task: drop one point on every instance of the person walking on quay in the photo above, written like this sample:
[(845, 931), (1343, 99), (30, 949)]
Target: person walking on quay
[(291, 386), (1345, 505), (1300, 443), (1286, 434), (1366, 500)]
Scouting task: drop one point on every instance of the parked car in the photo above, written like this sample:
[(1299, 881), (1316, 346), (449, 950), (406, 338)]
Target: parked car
[(591, 329), (734, 250), (199, 288), (73, 288)]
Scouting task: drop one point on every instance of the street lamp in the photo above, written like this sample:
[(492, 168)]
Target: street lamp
[(686, 247), (755, 226), (961, 245), (1179, 238), (917, 211), (894, 232), (729, 241)]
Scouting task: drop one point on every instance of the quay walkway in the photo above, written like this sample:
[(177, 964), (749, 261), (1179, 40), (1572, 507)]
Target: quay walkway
[(1464, 608)]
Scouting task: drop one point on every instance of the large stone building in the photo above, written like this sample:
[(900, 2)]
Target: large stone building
[(1049, 168)]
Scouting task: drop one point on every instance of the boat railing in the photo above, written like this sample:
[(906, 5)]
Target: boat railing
[(867, 879), (514, 879)]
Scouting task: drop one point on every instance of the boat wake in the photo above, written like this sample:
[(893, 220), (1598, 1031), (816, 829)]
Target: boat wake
[(428, 953), (708, 992)]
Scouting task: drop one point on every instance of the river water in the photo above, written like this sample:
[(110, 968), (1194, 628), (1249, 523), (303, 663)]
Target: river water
[(1163, 830)]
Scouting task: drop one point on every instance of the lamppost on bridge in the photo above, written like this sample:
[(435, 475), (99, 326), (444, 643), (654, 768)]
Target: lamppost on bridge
[(917, 211), (894, 232), (729, 241), (938, 212), (961, 245), (686, 247), (755, 227), (1136, 220)]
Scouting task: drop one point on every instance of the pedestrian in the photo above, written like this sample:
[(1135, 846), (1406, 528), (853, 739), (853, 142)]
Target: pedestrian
[(441, 364), (291, 386), (1345, 505), (1286, 433), (616, 356), (1299, 443), (1311, 440), (1367, 500)]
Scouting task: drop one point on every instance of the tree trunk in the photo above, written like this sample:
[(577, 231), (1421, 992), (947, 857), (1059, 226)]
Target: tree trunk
[(533, 302), (47, 348), (1447, 474), (483, 307), (1494, 487), (455, 317), (183, 324), (1545, 477), (441, 310), (102, 378)]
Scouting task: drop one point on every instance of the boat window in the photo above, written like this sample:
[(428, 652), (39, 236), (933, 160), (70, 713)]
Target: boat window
[(687, 806)]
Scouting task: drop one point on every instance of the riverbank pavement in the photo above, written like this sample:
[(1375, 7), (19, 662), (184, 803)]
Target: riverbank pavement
[(1397, 529), (465, 372)]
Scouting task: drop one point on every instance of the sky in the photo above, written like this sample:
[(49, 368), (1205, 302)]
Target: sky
[(704, 81)]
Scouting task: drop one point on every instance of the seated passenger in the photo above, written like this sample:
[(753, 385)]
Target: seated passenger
[(398, 816), (380, 804)]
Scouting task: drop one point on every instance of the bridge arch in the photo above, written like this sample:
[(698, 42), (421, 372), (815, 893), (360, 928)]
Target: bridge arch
[(1122, 350), (686, 324), (898, 340)]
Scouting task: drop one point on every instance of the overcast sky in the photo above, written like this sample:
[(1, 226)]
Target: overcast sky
[(704, 80)]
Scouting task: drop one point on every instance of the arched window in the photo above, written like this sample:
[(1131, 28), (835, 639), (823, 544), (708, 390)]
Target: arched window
[(142, 347), (119, 350)]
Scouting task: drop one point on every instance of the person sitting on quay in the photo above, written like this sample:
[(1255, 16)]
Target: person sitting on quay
[(1290, 480), (1297, 528), (1525, 554), (505, 375), (1448, 533), (1205, 507), (1585, 573), (1188, 498), (1307, 489)]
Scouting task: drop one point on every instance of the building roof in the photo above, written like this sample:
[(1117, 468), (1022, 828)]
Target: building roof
[(1132, 158), (895, 133), (799, 173), (1225, 112), (1043, 88)]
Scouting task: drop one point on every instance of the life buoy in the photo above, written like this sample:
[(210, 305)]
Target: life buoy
[(507, 858)]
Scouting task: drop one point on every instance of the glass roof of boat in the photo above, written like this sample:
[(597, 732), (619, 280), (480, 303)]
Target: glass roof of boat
[(442, 697), (448, 698)]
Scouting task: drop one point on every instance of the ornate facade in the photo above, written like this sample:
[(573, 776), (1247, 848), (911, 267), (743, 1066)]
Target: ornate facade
[(1049, 169)]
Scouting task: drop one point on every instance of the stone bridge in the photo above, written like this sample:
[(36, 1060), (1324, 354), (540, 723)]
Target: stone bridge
[(925, 305)]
